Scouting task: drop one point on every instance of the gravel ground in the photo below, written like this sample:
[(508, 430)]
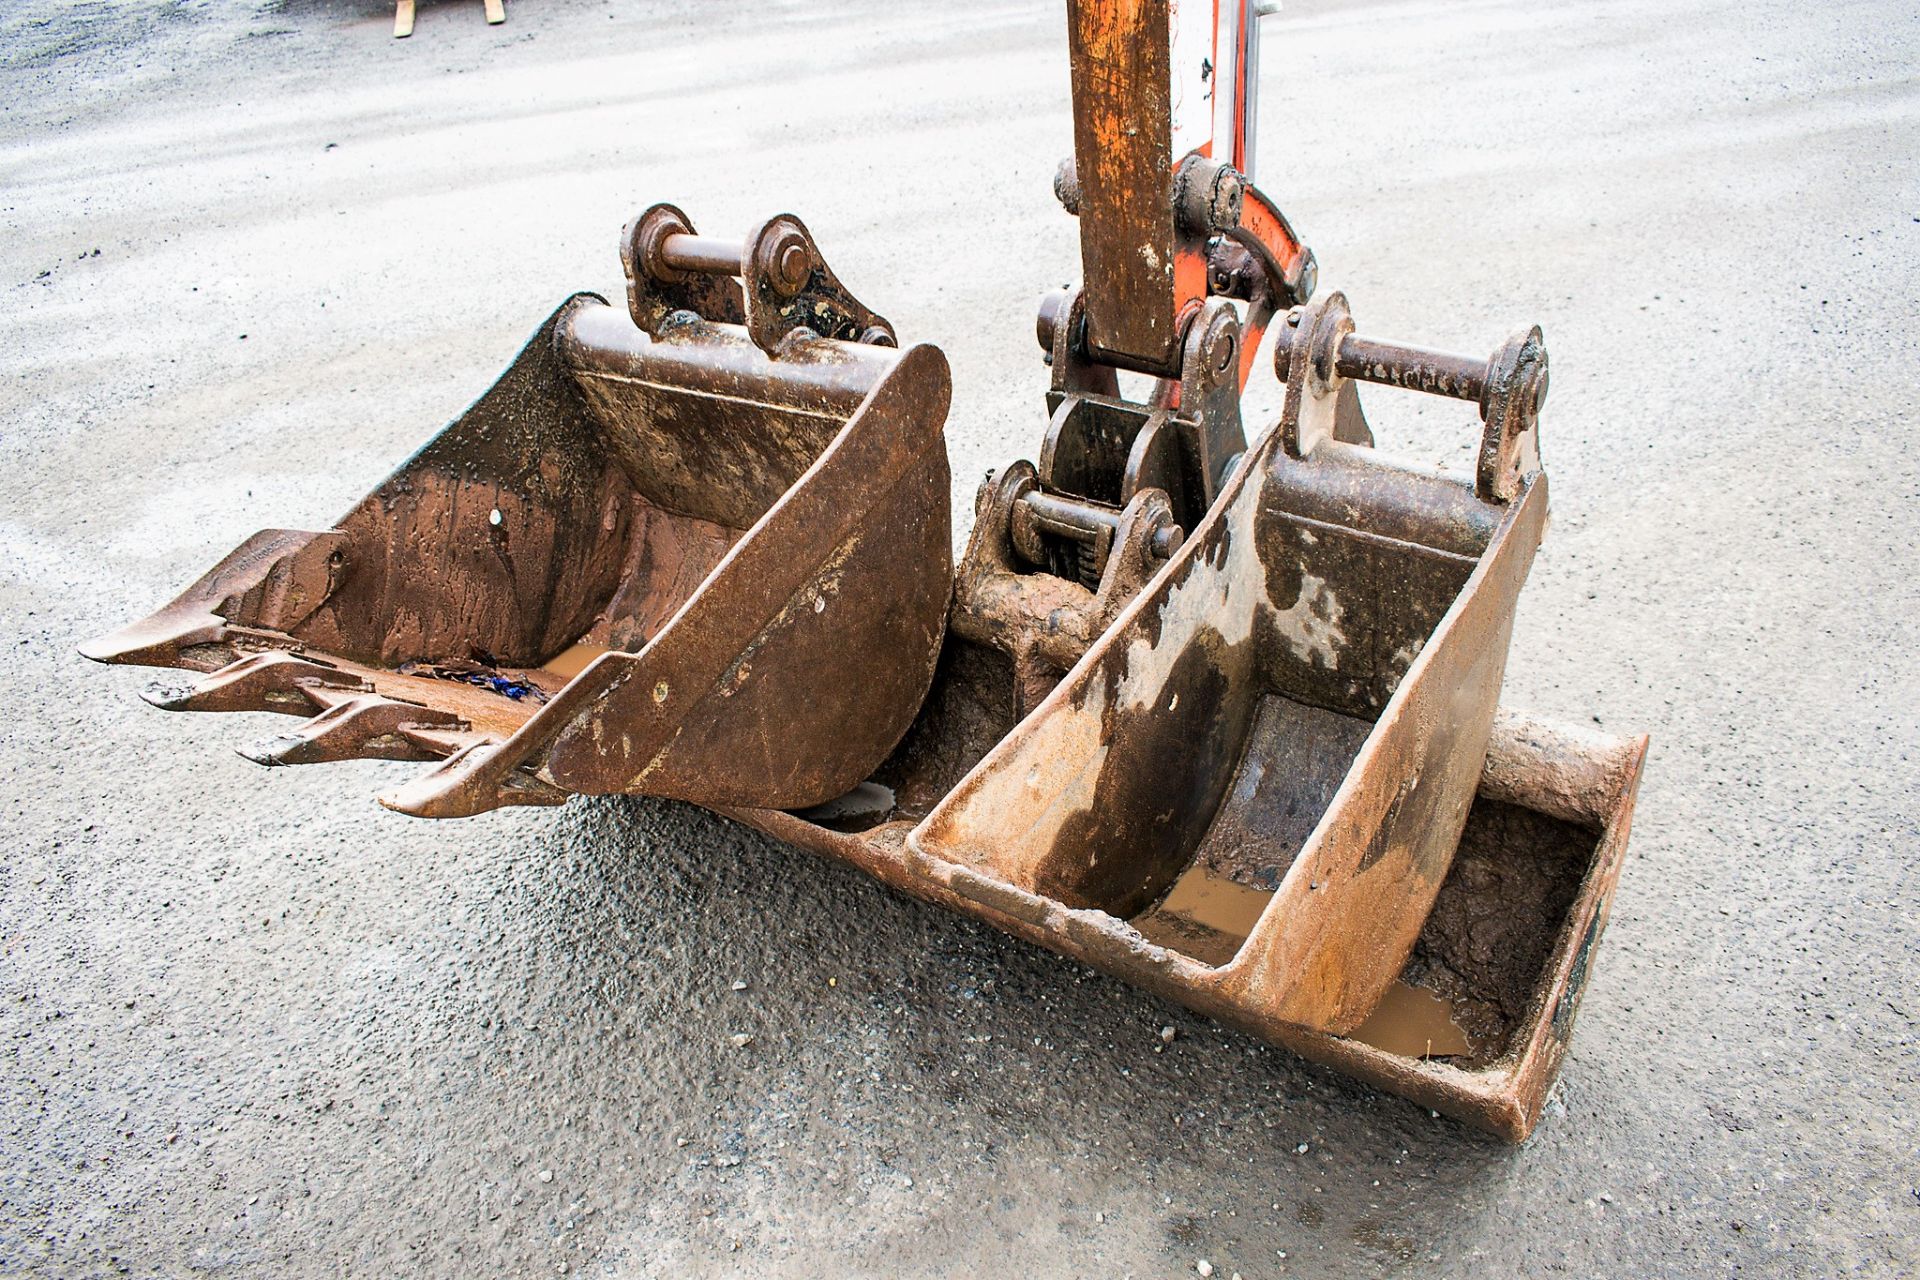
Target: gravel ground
[(255, 1025)]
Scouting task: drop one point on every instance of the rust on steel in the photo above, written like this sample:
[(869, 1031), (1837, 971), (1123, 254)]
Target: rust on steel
[(1330, 597), (1509, 945), (1169, 656), (1123, 150), (1296, 705), (718, 523), (1209, 704)]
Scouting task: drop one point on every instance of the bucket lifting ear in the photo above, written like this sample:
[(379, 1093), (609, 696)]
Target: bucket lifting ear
[(1510, 408), (774, 283), (700, 553)]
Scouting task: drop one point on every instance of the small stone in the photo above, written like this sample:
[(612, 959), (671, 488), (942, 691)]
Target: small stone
[(545, 1175), (1204, 1267), (1300, 1150), (1099, 1217), (1167, 1034), (679, 1142), (740, 1040), (739, 985)]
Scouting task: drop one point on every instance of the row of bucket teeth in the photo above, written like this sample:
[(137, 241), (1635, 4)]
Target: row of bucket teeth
[(354, 722)]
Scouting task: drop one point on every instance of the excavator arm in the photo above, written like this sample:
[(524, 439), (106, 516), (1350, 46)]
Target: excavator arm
[(1163, 107)]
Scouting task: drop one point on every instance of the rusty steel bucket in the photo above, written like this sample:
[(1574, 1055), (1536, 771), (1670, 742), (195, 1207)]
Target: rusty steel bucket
[(657, 556), (1261, 768), (1290, 713)]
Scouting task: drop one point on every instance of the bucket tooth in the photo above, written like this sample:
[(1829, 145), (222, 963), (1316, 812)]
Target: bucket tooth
[(276, 681), (158, 641), (367, 727), (275, 580), (470, 782)]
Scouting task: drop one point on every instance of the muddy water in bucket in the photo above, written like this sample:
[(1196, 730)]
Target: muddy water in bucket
[(1208, 916), (1416, 1023), (573, 661), (1204, 915)]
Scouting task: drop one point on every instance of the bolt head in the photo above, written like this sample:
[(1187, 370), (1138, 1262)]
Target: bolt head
[(790, 264), (1309, 279), (1168, 538), (1229, 191), (1223, 348)]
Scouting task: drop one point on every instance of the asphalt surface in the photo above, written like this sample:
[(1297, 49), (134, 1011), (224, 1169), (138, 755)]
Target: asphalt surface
[(255, 1025)]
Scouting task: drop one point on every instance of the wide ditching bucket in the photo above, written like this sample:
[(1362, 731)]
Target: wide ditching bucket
[(1291, 716), (659, 555), (1256, 762)]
